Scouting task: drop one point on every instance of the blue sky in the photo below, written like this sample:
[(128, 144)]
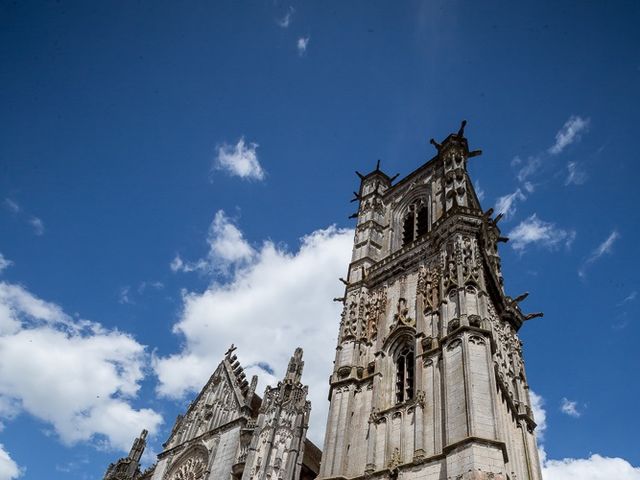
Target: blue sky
[(175, 177)]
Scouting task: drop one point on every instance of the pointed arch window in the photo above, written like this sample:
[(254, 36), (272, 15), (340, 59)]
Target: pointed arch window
[(405, 369), (408, 228), (415, 223)]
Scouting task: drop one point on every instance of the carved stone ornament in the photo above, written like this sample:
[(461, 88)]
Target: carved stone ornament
[(428, 287), (193, 468), (475, 321), (427, 343), (395, 460), (454, 344), (401, 317)]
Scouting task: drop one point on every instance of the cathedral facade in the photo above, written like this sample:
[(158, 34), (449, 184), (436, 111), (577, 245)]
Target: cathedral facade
[(428, 380)]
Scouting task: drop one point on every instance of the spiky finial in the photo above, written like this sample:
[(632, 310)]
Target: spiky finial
[(461, 130)]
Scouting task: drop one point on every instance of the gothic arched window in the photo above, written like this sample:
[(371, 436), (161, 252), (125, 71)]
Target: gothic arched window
[(415, 222), (408, 228), (405, 365), (422, 222)]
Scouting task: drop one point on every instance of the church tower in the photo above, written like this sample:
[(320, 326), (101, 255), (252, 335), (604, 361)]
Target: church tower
[(429, 380)]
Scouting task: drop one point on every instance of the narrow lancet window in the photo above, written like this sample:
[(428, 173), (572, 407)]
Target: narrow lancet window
[(405, 364), (415, 223), (408, 229), (422, 222)]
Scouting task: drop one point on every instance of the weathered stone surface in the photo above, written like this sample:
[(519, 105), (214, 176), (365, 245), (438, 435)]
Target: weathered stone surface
[(230, 432), (425, 278)]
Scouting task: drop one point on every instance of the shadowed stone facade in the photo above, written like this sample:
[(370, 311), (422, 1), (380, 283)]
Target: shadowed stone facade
[(230, 433), (428, 380)]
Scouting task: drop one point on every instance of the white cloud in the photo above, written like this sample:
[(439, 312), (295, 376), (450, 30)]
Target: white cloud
[(144, 286), (570, 407), (535, 231), (240, 160), (605, 247), (37, 224), (285, 21), (4, 262), (177, 264), (127, 294), (479, 191), (529, 187), (302, 44), (226, 241), (569, 133), (12, 206), (629, 298), (507, 204), (124, 297), (72, 374), (9, 469), (539, 414), (596, 467), (530, 168), (227, 247), (575, 176), (15, 208), (276, 300)]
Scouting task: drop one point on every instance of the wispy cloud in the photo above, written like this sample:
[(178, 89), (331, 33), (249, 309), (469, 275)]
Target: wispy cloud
[(4, 262), (479, 191), (529, 167), (12, 206), (154, 285), (302, 44), (240, 160), (570, 132), (575, 175), (37, 224), (285, 21), (629, 298), (506, 204), (533, 166), (124, 297), (529, 187), (16, 209), (569, 407), (127, 294), (602, 249), (535, 231)]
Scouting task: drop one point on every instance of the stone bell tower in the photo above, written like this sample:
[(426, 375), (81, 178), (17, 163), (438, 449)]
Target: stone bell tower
[(429, 380)]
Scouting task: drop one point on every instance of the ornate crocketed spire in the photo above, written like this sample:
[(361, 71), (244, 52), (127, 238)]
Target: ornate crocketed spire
[(294, 371), (138, 446), (128, 468)]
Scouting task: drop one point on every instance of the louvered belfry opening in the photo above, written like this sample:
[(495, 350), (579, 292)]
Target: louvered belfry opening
[(404, 375)]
